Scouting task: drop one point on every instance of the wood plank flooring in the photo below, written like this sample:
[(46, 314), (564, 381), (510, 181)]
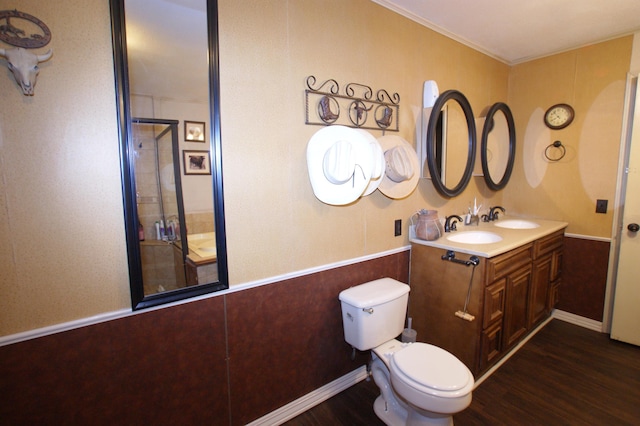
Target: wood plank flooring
[(565, 375)]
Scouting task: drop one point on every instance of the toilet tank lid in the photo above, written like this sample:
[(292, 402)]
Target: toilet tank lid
[(374, 293)]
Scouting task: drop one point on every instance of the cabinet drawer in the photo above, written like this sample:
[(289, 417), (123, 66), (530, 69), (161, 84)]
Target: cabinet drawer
[(548, 244), (500, 266), (494, 303)]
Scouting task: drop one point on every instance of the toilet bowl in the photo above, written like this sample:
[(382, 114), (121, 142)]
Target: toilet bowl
[(420, 384)]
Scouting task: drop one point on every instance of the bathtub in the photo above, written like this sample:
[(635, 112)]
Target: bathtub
[(204, 245)]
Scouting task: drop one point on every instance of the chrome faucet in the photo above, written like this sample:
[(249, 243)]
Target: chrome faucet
[(493, 214), (450, 222)]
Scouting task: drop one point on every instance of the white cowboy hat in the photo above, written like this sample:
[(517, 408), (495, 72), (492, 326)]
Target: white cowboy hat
[(377, 172), (340, 162), (401, 167)]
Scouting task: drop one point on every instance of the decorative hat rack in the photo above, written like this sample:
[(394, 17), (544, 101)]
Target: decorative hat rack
[(355, 108)]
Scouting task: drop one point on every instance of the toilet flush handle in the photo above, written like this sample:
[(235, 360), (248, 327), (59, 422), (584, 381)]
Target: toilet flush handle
[(368, 310)]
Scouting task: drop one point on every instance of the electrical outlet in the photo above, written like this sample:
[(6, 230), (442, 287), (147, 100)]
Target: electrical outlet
[(601, 206), (397, 227)]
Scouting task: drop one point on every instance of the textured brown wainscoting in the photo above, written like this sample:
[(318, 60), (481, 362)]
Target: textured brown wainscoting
[(584, 277), (224, 360), (286, 339), (565, 375), (160, 367)]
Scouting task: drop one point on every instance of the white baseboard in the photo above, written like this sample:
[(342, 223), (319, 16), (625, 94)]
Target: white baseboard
[(310, 400), (578, 320)]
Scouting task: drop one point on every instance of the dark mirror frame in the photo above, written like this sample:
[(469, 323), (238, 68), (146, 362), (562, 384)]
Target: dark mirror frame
[(431, 142), (138, 299), (486, 129)]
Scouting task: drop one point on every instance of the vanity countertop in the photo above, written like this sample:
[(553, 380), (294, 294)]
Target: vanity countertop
[(511, 238)]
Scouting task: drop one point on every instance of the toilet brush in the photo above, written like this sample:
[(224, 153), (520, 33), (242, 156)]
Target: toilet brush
[(409, 334)]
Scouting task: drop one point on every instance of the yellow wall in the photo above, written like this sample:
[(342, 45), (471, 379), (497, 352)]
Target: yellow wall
[(63, 255), (592, 80), (274, 222)]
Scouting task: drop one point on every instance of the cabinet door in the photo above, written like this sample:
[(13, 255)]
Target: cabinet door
[(538, 304), (552, 300), (516, 306), (494, 299), (556, 265), (491, 346)]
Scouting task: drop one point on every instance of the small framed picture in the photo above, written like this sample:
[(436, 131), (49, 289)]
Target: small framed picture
[(196, 162), (194, 131)]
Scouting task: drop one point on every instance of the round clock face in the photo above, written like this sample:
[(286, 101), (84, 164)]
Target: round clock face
[(559, 116)]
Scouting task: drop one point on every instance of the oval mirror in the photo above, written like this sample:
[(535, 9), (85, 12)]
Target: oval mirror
[(451, 143), (169, 123), (498, 146)]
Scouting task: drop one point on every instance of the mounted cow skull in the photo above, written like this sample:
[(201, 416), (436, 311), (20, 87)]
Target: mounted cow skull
[(24, 66)]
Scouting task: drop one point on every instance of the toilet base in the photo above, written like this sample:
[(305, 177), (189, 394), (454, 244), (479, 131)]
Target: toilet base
[(389, 417), (409, 418), (417, 418)]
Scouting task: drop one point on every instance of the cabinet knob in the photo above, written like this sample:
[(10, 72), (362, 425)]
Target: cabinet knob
[(633, 227)]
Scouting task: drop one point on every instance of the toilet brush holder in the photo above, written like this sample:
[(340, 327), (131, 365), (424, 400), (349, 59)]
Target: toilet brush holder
[(409, 334)]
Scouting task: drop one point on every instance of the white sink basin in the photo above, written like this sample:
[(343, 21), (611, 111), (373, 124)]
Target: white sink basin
[(516, 224), (475, 237)]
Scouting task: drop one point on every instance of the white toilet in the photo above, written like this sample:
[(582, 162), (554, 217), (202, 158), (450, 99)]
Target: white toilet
[(420, 384)]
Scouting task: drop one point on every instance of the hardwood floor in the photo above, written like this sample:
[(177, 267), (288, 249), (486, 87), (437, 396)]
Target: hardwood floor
[(565, 375)]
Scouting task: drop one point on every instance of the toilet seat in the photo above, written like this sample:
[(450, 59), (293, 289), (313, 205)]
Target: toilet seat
[(431, 370)]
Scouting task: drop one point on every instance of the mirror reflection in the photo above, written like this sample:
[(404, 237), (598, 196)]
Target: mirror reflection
[(167, 77), (159, 205), (172, 89), (498, 146), (165, 39), (451, 143)]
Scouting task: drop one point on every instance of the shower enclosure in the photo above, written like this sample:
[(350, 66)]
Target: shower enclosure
[(161, 218)]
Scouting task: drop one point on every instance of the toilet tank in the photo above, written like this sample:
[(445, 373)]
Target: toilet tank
[(373, 313)]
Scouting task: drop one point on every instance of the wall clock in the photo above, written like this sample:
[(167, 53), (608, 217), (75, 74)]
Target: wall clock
[(559, 116)]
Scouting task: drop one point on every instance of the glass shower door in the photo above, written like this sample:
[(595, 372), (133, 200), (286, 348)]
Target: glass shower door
[(162, 235)]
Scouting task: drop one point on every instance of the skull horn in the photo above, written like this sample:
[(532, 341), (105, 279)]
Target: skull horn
[(42, 58)]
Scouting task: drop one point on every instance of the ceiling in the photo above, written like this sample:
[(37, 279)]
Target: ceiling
[(515, 31)]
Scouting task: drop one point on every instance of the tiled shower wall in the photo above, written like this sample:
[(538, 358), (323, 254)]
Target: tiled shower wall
[(201, 222)]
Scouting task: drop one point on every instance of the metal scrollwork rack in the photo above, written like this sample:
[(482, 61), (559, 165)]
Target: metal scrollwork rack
[(357, 103)]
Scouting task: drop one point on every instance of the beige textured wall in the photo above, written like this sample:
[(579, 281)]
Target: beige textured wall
[(62, 255), (592, 80), (274, 222)]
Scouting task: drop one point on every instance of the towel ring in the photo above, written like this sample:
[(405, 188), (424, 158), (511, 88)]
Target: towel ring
[(556, 144)]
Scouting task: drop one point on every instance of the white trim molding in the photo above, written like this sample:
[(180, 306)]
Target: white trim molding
[(108, 316), (66, 326)]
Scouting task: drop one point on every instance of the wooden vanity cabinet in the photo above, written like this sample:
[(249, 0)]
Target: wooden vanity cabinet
[(511, 294), (438, 290), (547, 268), (513, 271), (556, 276)]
